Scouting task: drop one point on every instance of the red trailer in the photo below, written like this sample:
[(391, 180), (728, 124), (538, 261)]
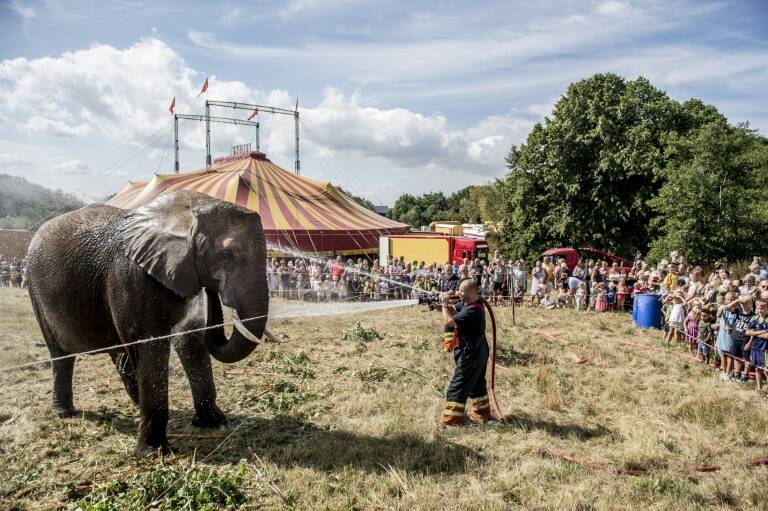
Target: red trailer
[(572, 255)]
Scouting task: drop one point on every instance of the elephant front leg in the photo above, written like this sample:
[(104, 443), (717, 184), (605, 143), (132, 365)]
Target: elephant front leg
[(197, 365), (153, 399)]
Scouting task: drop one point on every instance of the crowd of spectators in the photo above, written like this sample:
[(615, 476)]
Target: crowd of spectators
[(360, 279), (720, 317), (13, 272)]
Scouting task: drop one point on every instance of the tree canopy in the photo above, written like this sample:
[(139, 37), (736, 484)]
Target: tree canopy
[(608, 169), (472, 204)]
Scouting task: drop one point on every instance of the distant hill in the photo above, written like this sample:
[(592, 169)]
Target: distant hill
[(24, 205)]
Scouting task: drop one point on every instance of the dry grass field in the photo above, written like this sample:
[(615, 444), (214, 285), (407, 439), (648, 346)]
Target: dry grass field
[(330, 421)]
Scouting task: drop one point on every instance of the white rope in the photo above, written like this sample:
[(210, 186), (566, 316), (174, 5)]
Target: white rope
[(140, 341)]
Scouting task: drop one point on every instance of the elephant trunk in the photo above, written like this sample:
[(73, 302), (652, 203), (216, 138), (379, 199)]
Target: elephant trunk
[(243, 340)]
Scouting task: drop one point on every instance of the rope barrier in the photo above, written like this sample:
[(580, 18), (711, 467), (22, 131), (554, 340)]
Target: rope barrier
[(132, 343), (150, 339)]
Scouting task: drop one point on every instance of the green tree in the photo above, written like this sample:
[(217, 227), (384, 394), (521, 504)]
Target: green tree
[(586, 176), (360, 200), (713, 203)]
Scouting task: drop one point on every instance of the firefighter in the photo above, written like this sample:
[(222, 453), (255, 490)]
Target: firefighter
[(470, 351)]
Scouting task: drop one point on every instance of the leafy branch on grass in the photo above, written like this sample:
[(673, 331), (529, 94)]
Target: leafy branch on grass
[(294, 364), (167, 487), (360, 334), (285, 396), (373, 374)]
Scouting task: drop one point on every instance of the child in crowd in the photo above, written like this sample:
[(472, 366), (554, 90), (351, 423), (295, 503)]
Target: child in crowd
[(537, 274), (706, 335), (757, 329), (610, 297), (547, 302), (581, 296), (724, 342), (486, 284), (642, 285), (368, 289), (742, 316), (692, 328), (600, 299), (671, 279), (563, 293), (592, 295), (676, 316), (621, 294)]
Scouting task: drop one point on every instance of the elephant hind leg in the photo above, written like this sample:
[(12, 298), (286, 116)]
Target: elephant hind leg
[(126, 368), (63, 403)]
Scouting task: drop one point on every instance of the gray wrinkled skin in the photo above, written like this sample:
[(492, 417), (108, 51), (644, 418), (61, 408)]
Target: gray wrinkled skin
[(102, 276)]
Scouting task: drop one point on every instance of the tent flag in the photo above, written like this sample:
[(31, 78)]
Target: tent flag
[(173, 105), (205, 88), (254, 114)]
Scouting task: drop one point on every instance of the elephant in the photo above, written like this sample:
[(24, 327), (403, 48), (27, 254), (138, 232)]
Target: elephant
[(103, 277)]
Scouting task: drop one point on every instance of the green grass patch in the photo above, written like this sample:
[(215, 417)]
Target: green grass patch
[(165, 488)]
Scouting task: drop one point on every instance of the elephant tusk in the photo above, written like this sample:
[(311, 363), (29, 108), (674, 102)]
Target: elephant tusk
[(243, 330), (271, 337)]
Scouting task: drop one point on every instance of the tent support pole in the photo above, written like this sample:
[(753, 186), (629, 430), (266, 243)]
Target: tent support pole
[(207, 136), (176, 142), (296, 122)]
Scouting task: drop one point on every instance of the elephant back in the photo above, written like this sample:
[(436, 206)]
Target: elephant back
[(72, 238)]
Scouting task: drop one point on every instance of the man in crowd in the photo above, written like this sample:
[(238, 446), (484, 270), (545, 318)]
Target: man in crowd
[(470, 351)]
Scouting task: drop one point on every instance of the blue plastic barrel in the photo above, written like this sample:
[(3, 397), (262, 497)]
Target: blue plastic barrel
[(634, 308), (648, 307)]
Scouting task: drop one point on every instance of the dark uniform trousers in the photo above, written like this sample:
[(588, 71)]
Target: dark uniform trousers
[(468, 382)]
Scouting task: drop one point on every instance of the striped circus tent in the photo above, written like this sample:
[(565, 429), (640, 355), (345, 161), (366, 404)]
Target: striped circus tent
[(299, 214)]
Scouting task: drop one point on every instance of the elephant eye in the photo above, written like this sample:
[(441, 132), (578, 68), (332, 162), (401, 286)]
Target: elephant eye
[(226, 256)]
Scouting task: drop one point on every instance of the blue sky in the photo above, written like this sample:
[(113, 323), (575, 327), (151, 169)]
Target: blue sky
[(394, 96)]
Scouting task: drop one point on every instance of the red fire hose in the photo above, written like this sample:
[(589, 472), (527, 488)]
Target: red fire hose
[(492, 383)]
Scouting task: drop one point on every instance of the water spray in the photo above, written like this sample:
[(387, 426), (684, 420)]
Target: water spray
[(323, 309)]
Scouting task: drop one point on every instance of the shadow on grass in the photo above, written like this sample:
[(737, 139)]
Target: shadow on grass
[(527, 423), (289, 441)]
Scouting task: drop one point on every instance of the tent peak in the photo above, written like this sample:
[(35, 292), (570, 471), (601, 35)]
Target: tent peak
[(252, 155)]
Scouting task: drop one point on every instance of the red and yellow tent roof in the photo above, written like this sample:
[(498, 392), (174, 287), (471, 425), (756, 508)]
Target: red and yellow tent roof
[(299, 214)]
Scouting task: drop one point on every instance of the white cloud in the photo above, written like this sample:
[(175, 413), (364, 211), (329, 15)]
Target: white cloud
[(456, 54), (25, 12), (124, 95), (72, 168), (614, 8), (41, 126), (13, 161), (293, 7), (405, 138)]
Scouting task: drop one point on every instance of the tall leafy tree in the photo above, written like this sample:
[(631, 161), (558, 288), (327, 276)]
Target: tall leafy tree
[(586, 176), (713, 204)]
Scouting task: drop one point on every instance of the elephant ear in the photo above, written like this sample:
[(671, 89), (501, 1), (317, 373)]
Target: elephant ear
[(159, 237)]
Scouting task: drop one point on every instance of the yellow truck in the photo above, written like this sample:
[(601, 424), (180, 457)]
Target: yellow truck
[(449, 227), (432, 248)]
